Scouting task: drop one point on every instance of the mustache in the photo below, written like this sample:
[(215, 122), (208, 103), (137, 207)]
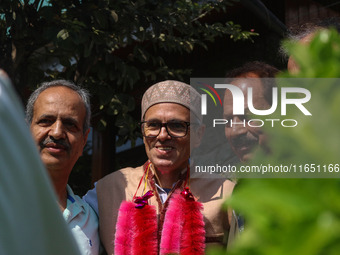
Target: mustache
[(61, 142), (244, 140)]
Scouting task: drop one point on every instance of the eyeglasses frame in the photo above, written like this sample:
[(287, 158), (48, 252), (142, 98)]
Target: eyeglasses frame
[(166, 128)]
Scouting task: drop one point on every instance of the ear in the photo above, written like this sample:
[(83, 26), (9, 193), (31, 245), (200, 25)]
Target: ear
[(85, 137), (198, 135)]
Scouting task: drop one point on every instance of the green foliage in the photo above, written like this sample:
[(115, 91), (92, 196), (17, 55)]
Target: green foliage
[(298, 216), (319, 59), (111, 47)]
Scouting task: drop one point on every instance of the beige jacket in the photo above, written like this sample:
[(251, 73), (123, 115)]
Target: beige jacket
[(122, 185)]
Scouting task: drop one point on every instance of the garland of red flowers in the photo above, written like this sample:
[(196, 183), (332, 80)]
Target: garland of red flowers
[(183, 229)]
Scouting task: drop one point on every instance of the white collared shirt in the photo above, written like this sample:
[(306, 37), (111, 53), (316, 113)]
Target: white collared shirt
[(83, 223)]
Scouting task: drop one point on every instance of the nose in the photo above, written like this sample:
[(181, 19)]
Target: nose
[(57, 130), (238, 126), (163, 134)]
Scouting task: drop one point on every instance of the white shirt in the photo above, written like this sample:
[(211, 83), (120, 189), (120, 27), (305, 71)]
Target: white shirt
[(83, 222)]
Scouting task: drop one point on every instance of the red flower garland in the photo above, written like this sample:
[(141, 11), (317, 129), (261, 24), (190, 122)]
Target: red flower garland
[(193, 236), (173, 226), (136, 230), (124, 231), (183, 229)]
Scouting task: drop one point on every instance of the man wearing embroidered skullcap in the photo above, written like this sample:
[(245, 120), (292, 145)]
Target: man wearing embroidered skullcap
[(158, 208)]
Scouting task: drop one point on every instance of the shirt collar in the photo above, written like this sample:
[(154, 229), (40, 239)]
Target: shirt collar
[(73, 207)]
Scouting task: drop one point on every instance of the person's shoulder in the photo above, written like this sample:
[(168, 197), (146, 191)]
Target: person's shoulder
[(126, 174), (86, 208), (212, 178), (221, 181), (209, 186), (131, 170)]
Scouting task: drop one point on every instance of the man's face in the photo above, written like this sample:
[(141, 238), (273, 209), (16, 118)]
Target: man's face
[(166, 153), (244, 139), (57, 127)]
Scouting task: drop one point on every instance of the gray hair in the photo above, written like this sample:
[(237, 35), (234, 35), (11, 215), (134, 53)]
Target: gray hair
[(83, 93), (297, 32)]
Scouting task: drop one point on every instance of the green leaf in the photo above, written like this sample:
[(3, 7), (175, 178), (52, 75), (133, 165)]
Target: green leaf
[(63, 34), (114, 15)]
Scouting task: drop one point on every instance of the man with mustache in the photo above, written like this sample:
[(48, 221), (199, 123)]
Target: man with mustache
[(244, 139), (158, 208), (27, 207), (58, 113)]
